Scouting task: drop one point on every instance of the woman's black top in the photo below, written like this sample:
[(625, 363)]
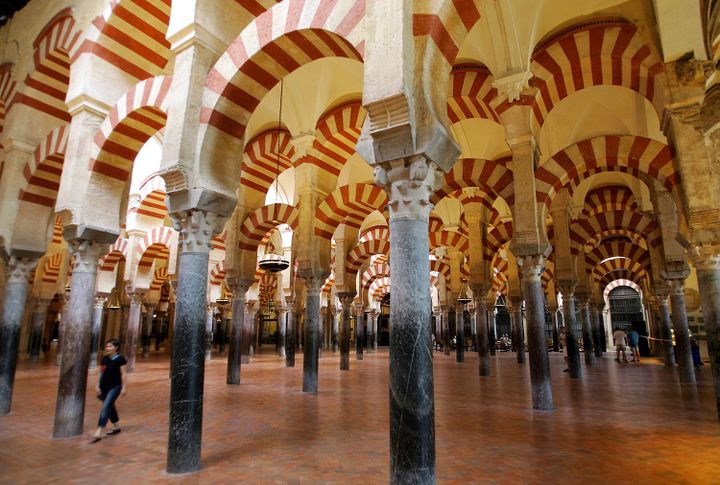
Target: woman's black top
[(111, 376)]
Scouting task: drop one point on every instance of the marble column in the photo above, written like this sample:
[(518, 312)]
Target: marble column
[(290, 333), (445, 328), (375, 330), (490, 319), (321, 327), (668, 354), (133, 327), (346, 301), (555, 329), (369, 331), (518, 330), (159, 330), (412, 406), (483, 342), (17, 271), (97, 319), (682, 333), (596, 331), (238, 287), (209, 320), (531, 268), (335, 329), (571, 341), (281, 311), (359, 331), (61, 326), (70, 405), (708, 273), (247, 332), (147, 329), (38, 323), (221, 330), (196, 229), (473, 329), (459, 333), (311, 337), (586, 331)]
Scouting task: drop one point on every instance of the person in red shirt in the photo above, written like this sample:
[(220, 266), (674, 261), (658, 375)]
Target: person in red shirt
[(112, 385)]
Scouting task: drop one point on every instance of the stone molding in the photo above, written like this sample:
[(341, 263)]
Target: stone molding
[(197, 228), (409, 183)]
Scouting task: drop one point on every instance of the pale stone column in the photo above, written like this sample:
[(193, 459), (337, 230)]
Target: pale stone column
[(596, 330), (531, 268), (346, 301), (70, 405), (682, 332), (368, 331), (209, 320), (196, 228), (281, 311), (147, 329), (98, 308), (238, 287), (571, 341), (61, 327), (38, 323), (375, 330), (518, 332), (311, 337), (334, 312), (247, 333), (359, 331), (459, 333), (17, 271), (322, 329), (586, 331), (445, 309), (133, 327), (480, 292), (555, 328), (707, 264)]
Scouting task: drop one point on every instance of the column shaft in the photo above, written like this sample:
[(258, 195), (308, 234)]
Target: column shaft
[(709, 285), (345, 302), (38, 324), (682, 333), (359, 333), (666, 334), (290, 333), (571, 340), (236, 325), (518, 331), (335, 329), (133, 326), (311, 338), (459, 334), (587, 332), (482, 331), (147, 330), (97, 319), (596, 332)]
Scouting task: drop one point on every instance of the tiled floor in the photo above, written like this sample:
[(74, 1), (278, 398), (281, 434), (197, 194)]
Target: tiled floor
[(620, 424)]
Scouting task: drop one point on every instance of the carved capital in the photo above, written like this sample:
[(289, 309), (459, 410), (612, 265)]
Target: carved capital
[(531, 267), (86, 255), (346, 299), (409, 183), (567, 287), (677, 287), (136, 297), (706, 257), (511, 87), (314, 284), (99, 301), (238, 286), (197, 228), (18, 269)]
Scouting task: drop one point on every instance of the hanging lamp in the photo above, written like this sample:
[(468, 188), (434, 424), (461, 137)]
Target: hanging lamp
[(464, 297), (270, 262)]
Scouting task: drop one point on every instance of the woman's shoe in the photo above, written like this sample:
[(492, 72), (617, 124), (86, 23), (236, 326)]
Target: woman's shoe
[(114, 431)]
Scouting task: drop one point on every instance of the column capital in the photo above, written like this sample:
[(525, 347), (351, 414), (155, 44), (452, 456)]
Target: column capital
[(87, 254), (314, 283), (197, 228), (675, 269), (531, 267), (100, 301), (566, 287), (346, 298), (706, 257), (677, 286), (251, 307), (409, 183), (18, 269), (136, 296), (238, 286)]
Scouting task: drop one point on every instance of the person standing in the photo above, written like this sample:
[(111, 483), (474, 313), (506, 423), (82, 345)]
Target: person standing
[(634, 339), (111, 386), (620, 341)]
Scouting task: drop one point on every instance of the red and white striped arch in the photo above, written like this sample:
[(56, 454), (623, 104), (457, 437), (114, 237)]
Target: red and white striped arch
[(441, 267), (217, 273), (117, 252), (609, 199), (375, 232), (328, 284), (349, 204), (599, 52), (362, 253), (130, 35), (435, 223), (218, 242), (152, 198), (471, 92), (260, 222), (587, 233), (488, 175), (619, 282), (57, 237), (622, 249), (496, 239), (379, 287), (606, 268), (51, 268), (624, 274), (374, 272), (261, 166), (7, 90), (155, 244), (159, 278), (635, 155), (337, 133), (139, 114), (279, 41), (449, 239), (267, 287), (42, 172)]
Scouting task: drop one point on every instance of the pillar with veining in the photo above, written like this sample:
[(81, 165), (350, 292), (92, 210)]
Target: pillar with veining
[(586, 331), (17, 271), (238, 287), (133, 327), (335, 328), (359, 331), (281, 312), (311, 337), (209, 320), (65, 298), (571, 341), (70, 404), (707, 264), (375, 330), (196, 228), (321, 329), (490, 319), (596, 330), (147, 329), (346, 301), (459, 332), (247, 331), (531, 268), (518, 329), (97, 320), (290, 335), (668, 354), (555, 329), (483, 341), (682, 332), (38, 322), (368, 331), (446, 329)]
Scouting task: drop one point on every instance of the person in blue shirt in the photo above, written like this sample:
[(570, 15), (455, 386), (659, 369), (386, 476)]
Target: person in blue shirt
[(112, 386), (634, 339)]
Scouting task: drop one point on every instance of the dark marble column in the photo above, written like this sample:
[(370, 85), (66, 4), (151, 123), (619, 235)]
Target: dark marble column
[(321, 329), (196, 229), (133, 326), (70, 405), (369, 331), (587, 332), (682, 333), (531, 268), (518, 330), (247, 333), (335, 328), (483, 342), (571, 340), (61, 327), (209, 320), (346, 301), (708, 273), (238, 287), (221, 329), (359, 331), (311, 338), (375, 330), (38, 323), (290, 333), (490, 319), (17, 271), (147, 329), (97, 320), (282, 312), (668, 353), (555, 329), (445, 328), (459, 333), (596, 329)]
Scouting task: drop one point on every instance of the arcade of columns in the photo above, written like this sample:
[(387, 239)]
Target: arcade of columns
[(421, 148)]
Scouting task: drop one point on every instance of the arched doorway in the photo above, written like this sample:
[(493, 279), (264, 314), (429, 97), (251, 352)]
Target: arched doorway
[(626, 312)]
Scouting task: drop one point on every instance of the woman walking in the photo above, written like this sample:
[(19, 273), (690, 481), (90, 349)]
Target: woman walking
[(112, 385)]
